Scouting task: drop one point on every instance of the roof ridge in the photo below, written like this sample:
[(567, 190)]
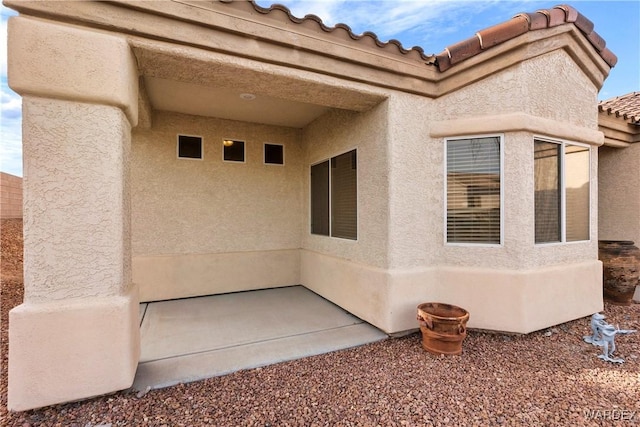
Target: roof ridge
[(520, 24)]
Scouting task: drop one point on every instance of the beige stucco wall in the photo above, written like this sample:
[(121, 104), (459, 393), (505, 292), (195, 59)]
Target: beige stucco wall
[(337, 132), (417, 170), (400, 258), (517, 301), (80, 185), (76, 333), (207, 226), (618, 199), (518, 286), (619, 204), (557, 100), (51, 53)]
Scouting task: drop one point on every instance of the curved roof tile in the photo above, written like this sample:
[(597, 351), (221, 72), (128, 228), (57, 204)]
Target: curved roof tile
[(518, 25), (416, 50), (625, 106), (458, 52)]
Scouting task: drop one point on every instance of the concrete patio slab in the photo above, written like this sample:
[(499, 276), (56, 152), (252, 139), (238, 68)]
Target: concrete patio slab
[(196, 338)]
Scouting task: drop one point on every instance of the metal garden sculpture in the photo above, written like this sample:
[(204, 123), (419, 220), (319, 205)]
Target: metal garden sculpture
[(603, 335)]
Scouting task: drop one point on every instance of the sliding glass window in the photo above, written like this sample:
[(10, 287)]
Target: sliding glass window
[(334, 197), (562, 187)]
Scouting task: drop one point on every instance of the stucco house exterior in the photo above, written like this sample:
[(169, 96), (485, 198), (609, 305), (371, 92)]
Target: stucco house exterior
[(176, 149), (618, 175)]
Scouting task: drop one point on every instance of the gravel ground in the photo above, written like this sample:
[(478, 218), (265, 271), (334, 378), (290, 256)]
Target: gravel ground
[(545, 378)]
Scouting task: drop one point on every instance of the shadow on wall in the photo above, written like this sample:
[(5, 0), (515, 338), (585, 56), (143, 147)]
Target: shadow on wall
[(10, 196)]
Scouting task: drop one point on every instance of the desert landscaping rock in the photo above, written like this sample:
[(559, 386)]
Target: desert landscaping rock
[(546, 378)]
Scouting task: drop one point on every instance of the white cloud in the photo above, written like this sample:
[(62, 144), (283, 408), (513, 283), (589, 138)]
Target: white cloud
[(10, 131), (4, 16), (10, 109)]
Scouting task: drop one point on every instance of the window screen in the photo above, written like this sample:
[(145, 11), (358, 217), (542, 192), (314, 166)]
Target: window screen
[(473, 190), (320, 198), (344, 196), (547, 191)]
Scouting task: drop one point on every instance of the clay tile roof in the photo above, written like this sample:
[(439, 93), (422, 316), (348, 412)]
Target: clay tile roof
[(625, 106), (483, 40), (518, 25), (340, 30)]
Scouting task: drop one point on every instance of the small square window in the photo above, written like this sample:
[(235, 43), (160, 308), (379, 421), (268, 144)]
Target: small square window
[(233, 150), (273, 154), (189, 147)]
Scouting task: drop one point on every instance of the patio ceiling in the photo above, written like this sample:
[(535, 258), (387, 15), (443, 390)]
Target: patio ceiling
[(192, 81), (229, 103)]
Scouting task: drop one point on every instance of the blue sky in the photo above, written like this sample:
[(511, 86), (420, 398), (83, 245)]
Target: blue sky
[(432, 25)]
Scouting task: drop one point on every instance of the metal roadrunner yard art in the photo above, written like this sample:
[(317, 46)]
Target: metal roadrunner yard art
[(603, 335)]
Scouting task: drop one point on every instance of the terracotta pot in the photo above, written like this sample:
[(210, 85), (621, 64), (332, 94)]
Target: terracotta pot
[(443, 327), (620, 270)]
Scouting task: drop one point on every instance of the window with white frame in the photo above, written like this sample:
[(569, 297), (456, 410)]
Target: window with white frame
[(189, 147), (233, 150), (334, 196), (562, 188), (474, 190), (273, 154)]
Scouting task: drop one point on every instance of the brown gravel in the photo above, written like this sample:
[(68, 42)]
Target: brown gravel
[(545, 378)]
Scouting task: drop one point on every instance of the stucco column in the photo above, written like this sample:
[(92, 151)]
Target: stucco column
[(76, 335)]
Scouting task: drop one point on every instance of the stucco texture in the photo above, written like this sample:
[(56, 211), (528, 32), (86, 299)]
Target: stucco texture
[(334, 133), (416, 181), (566, 98), (185, 206), (76, 200), (210, 226), (76, 334), (619, 180), (65, 62), (550, 86)]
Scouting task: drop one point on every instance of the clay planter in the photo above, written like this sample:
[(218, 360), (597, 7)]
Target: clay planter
[(620, 270), (443, 327)]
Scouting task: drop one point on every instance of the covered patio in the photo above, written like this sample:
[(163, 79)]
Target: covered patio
[(221, 148), (195, 338)]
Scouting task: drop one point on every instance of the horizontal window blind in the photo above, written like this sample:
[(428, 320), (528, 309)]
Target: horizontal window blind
[(344, 196), (473, 190), (547, 191), (320, 198)]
